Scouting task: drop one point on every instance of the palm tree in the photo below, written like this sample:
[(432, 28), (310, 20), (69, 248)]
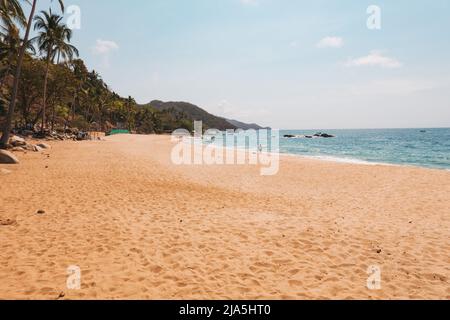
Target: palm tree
[(64, 49), (12, 104), (129, 104), (10, 11), (11, 44), (80, 71), (53, 39), (9, 51)]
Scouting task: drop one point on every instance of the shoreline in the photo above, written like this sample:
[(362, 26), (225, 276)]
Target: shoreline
[(336, 159), (326, 158), (361, 162)]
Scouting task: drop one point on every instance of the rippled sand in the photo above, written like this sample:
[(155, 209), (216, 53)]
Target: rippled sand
[(141, 228)]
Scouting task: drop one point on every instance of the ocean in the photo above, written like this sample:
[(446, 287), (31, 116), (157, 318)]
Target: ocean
[(429, 148)]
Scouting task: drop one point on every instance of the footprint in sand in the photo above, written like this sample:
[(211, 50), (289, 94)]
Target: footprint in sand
[(8, 222), (295, 283), (156, 269), (293, 272)]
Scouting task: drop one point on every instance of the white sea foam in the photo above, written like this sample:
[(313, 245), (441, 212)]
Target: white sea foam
[(322, 158), (348, 160)]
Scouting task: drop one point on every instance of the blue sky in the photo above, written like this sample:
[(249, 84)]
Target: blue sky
[(282, 63)]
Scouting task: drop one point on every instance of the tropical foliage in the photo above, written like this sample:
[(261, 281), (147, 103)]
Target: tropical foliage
[(45, 87)]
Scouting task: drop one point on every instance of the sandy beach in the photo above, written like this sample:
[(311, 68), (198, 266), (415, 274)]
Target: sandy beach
[(140, 227)]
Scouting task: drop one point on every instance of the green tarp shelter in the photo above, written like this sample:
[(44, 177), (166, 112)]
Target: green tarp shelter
[(117, 131)]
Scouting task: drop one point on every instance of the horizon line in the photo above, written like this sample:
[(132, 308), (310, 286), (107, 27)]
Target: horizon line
[(380, 128)]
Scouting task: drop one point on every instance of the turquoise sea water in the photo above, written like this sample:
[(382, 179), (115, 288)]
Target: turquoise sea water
[(428, 148), (418, 147)]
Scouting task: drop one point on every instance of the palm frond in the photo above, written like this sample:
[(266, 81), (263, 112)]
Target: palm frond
[(53, 39)]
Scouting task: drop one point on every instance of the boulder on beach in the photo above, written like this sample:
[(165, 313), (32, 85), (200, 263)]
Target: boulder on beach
[(16, 141), (18, 149), (7, 157), (32, 147), (44, 145), (29, 147)]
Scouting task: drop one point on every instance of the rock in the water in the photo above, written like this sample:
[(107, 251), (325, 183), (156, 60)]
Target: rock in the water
[(323, 135), (7, 157), (44, 145), (16, 141)]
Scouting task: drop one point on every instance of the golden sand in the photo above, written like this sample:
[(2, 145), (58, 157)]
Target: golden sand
[(140, 227)]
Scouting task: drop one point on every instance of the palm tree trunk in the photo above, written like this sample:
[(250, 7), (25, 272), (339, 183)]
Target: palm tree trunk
[(44, 102), (7, 129), (72, 109), (53, 118)]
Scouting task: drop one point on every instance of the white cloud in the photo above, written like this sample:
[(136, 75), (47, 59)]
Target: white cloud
[(103, 47), (331, 42), (374, 59)]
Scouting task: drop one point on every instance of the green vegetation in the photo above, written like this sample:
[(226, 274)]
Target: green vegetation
[(44, 87), (182, 114)]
